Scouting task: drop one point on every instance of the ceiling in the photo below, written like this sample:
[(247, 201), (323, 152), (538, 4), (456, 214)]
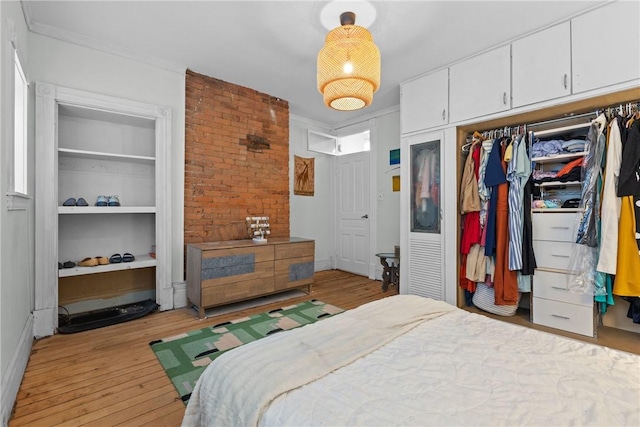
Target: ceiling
[(272, 46)]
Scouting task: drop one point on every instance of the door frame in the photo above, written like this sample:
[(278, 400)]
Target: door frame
[(373, 188)]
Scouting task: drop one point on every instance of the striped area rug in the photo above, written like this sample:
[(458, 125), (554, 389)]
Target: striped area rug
[(185, 356)]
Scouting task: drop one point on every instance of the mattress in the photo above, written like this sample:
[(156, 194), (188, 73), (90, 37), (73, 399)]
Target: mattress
[(460, 368)]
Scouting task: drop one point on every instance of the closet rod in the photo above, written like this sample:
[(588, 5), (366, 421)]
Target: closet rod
[(561, 119)]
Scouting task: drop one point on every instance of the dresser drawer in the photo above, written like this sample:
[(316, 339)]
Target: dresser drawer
[(561, 315), (553, 286), (558, 227), (554, 255)]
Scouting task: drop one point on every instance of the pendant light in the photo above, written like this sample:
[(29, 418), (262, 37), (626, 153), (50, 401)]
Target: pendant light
[(348, 66)]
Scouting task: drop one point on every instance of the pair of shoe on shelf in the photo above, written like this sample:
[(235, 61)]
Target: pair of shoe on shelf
[(92, 262), (103, 260), (107, 201), (73, 202), (126, 257), (66, 264)]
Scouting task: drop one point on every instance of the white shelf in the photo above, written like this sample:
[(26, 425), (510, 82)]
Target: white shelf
[(558, 158), (141, 261), (559, 184), (561, 130), (555, 210), (97, 155), (81, 210)]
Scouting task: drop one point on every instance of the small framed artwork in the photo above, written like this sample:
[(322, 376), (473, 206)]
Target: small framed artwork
[(394, 157), (395, 182)]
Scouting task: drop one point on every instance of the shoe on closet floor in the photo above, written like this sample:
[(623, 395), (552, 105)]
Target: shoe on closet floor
[(88, 262), (102, 201), (113, 201)]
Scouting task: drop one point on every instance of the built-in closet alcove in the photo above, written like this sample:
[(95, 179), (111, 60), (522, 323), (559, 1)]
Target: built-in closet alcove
[(567, 114), (90, 145)]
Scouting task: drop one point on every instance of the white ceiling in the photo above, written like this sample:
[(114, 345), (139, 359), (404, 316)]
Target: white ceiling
[(272, 46)]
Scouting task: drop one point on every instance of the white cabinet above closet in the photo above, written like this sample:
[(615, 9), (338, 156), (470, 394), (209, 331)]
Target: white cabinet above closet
[(424, 102), (606, 46), (541, 66)]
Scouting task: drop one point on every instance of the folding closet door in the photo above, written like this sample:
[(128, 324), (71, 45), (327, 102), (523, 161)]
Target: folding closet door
[(422, 245)]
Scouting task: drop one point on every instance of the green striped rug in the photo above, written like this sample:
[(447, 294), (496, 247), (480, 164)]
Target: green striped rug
[(184, 357)]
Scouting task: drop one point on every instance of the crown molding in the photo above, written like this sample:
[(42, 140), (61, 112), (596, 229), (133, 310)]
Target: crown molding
[(78, 39)]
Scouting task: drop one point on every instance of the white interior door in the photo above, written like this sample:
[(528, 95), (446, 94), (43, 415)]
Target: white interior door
[(352, 213)]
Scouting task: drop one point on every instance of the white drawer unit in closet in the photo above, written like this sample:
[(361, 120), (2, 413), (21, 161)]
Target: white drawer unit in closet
[(574, 318), (554, 286), (553, 304)]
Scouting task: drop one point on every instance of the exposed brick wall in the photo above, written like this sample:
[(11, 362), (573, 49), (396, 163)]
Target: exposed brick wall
[(225, 181)]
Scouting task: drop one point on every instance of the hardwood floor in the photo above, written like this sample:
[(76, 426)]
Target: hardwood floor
[(110, 376)]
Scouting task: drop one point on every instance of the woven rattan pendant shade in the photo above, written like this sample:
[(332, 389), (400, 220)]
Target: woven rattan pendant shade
[(348, 87)]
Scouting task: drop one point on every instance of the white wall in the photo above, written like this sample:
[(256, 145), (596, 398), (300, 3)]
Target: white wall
[(78, 67), (311, 217), (16, 226)]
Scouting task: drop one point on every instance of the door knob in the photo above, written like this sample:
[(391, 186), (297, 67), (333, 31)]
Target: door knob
[(365, 216)]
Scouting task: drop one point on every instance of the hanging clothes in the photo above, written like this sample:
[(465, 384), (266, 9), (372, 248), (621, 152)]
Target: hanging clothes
[(610, 205), (472, 232), (518, 172), (494, 176), (627, 281)]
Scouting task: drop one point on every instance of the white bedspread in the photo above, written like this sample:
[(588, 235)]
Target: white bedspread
[(238, 386), (466, 369)]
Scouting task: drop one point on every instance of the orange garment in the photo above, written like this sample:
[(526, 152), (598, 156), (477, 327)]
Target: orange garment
[(627, 281), (567, 168), (505, 281)]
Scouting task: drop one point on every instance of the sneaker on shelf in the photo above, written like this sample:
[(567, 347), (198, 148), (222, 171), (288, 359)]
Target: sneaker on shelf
[(113, 201), (102, 201)]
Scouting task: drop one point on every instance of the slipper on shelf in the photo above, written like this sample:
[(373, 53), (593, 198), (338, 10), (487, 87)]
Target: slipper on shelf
[(59, 265), (69, 202), (127, 257), (82, 202), (88, 262), (69, 264), (115, 258), (102, 260)]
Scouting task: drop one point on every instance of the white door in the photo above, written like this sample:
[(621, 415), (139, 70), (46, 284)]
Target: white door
[(352, 213)]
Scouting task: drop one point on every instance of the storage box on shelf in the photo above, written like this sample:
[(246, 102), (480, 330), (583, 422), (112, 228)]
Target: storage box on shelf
[(229, 271)]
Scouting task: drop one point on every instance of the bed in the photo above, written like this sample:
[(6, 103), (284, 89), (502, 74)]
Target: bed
[(408, 360)]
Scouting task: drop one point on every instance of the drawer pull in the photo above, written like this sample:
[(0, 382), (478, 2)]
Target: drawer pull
[(559, 288), (561, 228), (560, 256), (561, 317)]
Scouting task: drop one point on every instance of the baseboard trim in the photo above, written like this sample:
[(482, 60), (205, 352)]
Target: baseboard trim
[(15, 371)]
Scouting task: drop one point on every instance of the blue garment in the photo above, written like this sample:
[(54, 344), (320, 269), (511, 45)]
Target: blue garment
[(494, 175)]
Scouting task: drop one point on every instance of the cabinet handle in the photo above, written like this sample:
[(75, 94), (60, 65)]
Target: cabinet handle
[(444, 114), (560, 256), (561, 317), (504, 98), (561, 228), (566, 80), (558, 288)]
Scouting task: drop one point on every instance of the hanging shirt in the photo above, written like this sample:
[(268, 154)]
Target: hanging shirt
[(610, 206), (518, 172), (494, 176)]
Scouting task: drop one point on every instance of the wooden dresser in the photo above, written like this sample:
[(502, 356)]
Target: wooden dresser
[(229, 271)]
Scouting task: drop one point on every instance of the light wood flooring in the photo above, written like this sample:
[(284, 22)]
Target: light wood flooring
[(110, 376)]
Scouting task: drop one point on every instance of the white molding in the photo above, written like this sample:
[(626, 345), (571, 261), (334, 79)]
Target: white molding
[(78, 39), (15, 371)]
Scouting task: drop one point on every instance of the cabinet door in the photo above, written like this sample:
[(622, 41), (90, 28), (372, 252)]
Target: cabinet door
[(541, 66), (606, 46), (480, 85), (424, 102)]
